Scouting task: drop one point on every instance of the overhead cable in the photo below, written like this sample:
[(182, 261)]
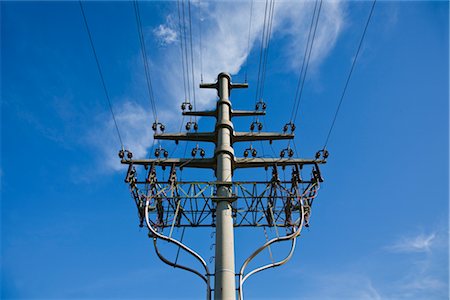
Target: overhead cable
[(192, 54), (182, 52), (145, 60), (349, 74), (248, 40), (101, 74), (302, 77)]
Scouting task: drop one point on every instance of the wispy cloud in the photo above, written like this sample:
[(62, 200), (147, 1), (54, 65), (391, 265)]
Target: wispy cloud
[(135, 129), (418, 243), (165, 34)]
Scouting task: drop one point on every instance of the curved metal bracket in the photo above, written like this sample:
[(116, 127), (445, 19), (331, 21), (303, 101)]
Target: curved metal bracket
[(175, 265), (291, 236), (197, 256)]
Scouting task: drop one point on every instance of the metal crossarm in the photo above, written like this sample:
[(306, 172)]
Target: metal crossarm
[(234, 113)]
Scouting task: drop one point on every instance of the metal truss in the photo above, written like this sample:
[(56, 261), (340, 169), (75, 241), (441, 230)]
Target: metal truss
[(164, 205)]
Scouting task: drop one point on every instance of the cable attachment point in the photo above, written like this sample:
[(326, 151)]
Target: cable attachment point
[(256, 124), (251, 151), (261, 105), (160, 150), (186, 104), (322, 153), (191, 125), (161, 126), (288, 126), (287, 151), (128, 154), (196, 150)]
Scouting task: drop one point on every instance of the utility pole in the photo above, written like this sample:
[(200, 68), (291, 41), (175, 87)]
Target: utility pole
[(224, 282), (164, 205)]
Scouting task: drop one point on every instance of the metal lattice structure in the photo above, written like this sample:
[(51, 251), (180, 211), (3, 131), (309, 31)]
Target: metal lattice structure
[(224, 204)]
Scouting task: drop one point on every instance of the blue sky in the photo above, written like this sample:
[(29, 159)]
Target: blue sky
[(379, 229)]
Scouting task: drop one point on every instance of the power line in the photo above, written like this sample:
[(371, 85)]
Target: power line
[(186, 52), (268, 37), (182, 52), (350, 74), (192, 54), (261, 53), (311, 26), (248, 41), (307, 63), (101, 74), (144, 57), (201, 46)]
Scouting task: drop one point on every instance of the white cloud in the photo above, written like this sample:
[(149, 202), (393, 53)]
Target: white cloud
[(419, 243), (135, 125), (165, 34), (225, 40)]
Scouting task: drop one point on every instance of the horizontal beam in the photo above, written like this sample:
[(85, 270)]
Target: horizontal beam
[(187, 136), (269, 162), (261, 136), (210, 163), (247, 113), (236, 138), (206, 113), (234, 113), (206, 163)]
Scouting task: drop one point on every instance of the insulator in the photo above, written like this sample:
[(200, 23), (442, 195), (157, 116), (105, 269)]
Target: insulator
[(190, 106), (188, 126), (325, 153), (282, 154), (293, 127), (121, 154), (285, 128), (183, 106), (254, 153), (317, 154), (263, 105), (194, 152), (166, 154), (290, 152), (154, 126), (195, 126), (157, 152), (202, 153), (162, 127), (260, 126), (246, 153), (129, 154), (252, 127)]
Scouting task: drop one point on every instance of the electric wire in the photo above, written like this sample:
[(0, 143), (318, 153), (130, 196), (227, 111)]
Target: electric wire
[(186, 52), (192, 54), (200, 36), (182, 52), (261, 53), (307, 64), (304, 61), (101, 74), (349, 75), (267, 46), (145, 60), (248, 41)]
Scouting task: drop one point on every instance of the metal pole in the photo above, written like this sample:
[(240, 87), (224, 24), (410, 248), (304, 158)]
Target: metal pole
[(224, 282)]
